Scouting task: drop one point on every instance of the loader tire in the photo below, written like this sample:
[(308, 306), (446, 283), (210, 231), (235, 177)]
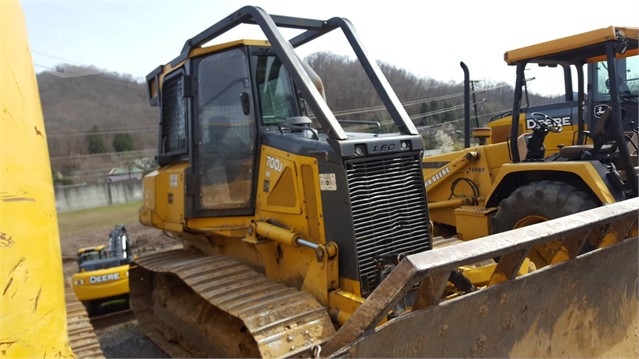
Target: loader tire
[(539, 202)]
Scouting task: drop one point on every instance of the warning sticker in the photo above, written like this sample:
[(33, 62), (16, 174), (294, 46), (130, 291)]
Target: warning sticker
[(327, 182)]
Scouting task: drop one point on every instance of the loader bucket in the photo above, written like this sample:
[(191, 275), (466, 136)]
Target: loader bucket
[(585, 306)]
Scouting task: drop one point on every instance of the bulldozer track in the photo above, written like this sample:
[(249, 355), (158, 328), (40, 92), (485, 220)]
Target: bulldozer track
[(282, 321)]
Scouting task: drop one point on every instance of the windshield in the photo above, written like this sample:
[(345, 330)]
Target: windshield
[(89, 256)]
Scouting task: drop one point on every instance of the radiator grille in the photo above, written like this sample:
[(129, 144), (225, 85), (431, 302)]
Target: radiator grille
[(389, 213)]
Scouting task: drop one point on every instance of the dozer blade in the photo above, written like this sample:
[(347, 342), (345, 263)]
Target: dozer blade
[(214, 306), (585, 306)]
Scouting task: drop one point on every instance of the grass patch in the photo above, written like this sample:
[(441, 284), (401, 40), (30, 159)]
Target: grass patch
[(101, 219)]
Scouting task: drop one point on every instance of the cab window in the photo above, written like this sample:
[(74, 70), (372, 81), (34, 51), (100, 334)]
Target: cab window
[(225, 134)]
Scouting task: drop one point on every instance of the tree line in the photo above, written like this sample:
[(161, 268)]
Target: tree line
[(108, 114)]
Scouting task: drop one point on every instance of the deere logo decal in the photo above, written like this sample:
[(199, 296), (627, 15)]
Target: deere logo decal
[(104, 278), (600, 109), (437, 176), (564, 120)]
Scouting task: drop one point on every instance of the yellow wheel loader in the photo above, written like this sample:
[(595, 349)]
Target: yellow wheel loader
[(38, 317), (516, 181), (307, 236), (103, 271)]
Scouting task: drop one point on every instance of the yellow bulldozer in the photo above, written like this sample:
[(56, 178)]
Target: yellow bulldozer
[(307, 236)]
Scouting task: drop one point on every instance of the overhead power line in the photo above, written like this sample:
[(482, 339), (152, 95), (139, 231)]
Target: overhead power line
[(128, 154), (128, 130)]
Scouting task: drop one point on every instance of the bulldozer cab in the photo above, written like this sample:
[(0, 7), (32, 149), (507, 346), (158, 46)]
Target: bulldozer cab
[(219, 102)]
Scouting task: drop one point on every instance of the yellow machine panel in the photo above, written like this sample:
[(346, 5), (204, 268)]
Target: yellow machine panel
[(102, 283), (569, 43), (33, 320)]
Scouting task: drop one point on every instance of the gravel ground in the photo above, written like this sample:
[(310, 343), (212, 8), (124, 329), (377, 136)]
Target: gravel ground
[(127, 341)]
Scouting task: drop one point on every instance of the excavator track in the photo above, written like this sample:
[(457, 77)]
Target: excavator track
[(82, 338), (193, 305)]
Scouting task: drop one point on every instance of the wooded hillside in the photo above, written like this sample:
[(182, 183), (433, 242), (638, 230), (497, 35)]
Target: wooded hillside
[(85, 110), (97, 121)]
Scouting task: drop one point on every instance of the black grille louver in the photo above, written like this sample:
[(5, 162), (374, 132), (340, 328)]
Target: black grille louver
[(389, 213), (174, 111)]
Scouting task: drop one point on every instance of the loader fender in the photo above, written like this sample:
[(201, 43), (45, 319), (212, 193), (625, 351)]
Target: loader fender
[(588, 177)]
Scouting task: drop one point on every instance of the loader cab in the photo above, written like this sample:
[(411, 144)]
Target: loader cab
[(586, 72), (600, 94), (605, 120)]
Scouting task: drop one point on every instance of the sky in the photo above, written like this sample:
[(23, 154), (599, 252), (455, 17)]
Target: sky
[(428, 39)]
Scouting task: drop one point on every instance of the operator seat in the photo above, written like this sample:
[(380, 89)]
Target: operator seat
[(599, 136)]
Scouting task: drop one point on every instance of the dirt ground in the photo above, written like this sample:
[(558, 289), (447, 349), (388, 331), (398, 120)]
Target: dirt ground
[(126, 340)]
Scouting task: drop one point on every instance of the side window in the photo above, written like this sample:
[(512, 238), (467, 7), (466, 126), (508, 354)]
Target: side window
[(225, 134), (631, 72), (277, 96), (628, 80), (173, 126), (602, 91)]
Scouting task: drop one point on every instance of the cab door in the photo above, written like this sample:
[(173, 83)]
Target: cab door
[(224, 133)]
